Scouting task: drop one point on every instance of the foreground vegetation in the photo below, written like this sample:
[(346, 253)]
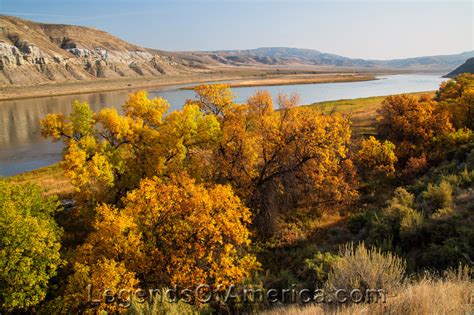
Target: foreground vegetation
[(428, 295), (220, 193)]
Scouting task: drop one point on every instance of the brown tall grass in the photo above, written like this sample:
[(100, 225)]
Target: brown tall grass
[(430, 296)]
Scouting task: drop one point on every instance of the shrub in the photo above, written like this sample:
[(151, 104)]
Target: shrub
[(442, 213), (466, 178), (445, 143), (375, 158), (401, 213), (415, 165), (321, 265), (363, 268), (402, 198), (411, 221), (438, 196), (359, 221)]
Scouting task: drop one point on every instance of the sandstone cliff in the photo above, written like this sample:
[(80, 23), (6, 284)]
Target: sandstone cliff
[(32, 53)]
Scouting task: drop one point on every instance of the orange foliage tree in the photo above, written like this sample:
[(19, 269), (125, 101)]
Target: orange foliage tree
[(170, 196), (280, 161), (146, 214), (458, 97), (412, 123)]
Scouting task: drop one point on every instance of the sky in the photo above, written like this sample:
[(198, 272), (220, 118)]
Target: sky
[(383, 29)]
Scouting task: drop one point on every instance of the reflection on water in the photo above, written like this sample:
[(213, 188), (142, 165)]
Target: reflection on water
[(22, 147)]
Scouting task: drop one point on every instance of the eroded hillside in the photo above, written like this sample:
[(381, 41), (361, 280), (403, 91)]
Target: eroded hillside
[(32, 53)]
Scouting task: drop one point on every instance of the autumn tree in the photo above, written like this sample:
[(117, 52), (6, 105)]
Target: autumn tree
[(29, 246), (293, 158), (458, 97), (275, 160), (213, 98), (171, 195), (375, 159), (89, 286), (454, 88), (173, 232), (412, 123), (145, 179), (107, 154)]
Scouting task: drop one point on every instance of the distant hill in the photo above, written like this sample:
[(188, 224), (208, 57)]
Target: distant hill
[(467, 67), (440, 61), (289, 56), (286, 56), (33, 53)]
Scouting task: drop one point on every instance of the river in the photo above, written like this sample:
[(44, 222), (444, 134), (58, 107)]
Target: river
[(22, 148)]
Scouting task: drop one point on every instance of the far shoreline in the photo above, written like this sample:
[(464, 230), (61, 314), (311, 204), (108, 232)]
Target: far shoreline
[(339, 78), (8, 93)]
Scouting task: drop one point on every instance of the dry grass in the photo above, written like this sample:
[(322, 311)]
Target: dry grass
[(50, 178), (428, 296)]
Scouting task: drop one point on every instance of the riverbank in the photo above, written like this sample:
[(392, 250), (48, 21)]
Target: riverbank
[(238, 79), (297, 79)]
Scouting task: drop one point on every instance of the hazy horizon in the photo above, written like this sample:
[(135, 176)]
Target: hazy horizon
[(355, 29)]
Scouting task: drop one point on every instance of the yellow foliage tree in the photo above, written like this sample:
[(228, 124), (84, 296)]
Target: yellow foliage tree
[(103, 287), (375, 158), (161, 185), (107, 154), (213, 98), (175, 233)]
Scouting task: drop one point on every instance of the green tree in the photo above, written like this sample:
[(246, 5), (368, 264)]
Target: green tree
[(29, 246)]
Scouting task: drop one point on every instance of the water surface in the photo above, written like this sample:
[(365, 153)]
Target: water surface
[(22, 148)]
